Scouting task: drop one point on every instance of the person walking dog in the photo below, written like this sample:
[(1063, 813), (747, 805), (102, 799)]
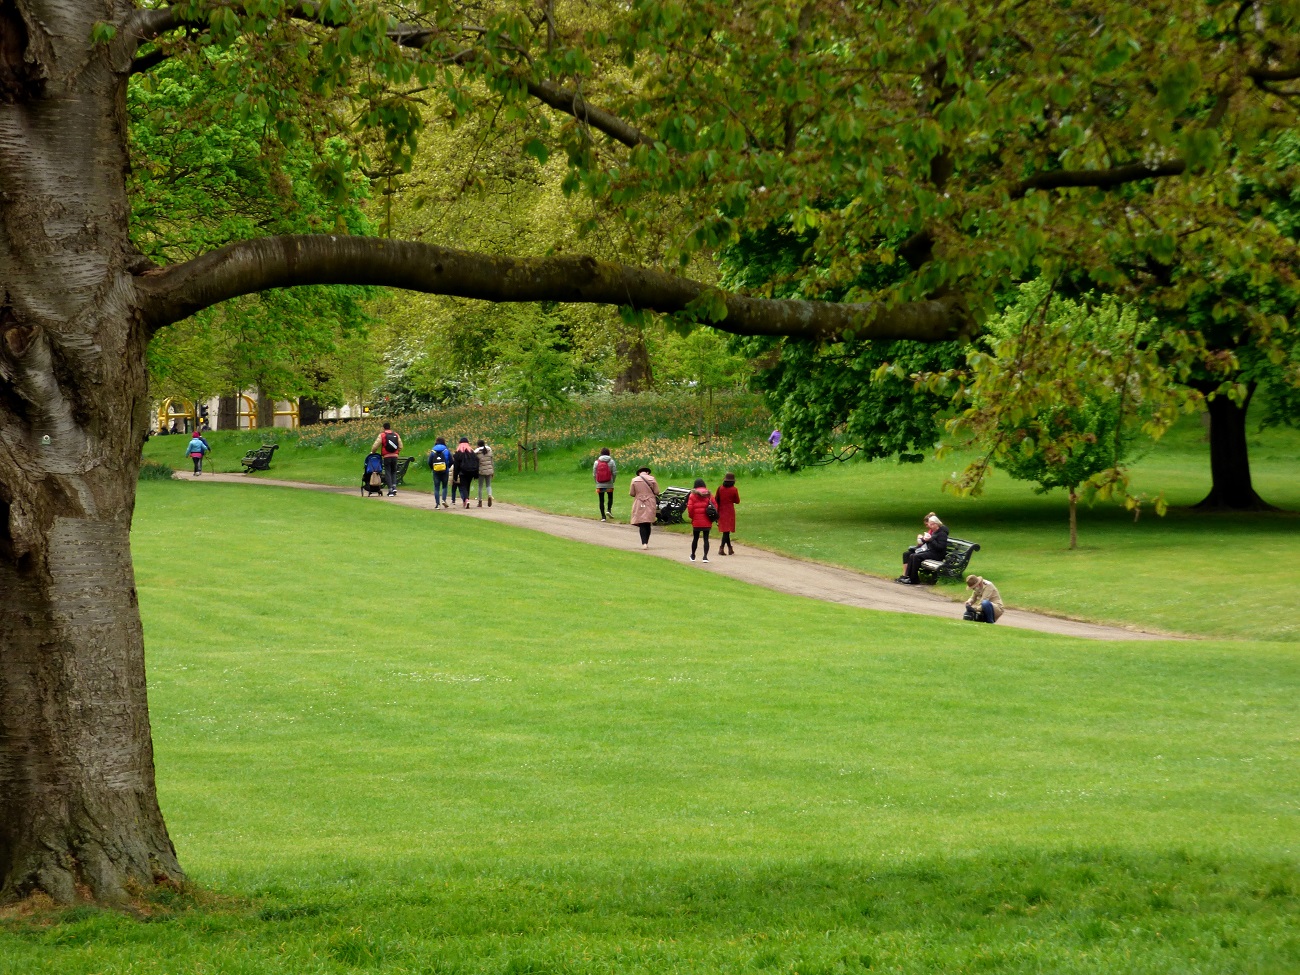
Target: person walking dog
[(485, 471), (726, 497), (985, 603), (644, 491)]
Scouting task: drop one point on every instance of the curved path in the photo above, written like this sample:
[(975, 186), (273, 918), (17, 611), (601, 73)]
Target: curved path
[(755, 566)]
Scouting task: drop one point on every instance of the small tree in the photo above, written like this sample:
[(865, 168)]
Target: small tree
[(702, 357), (534, 370), (1076, 430)]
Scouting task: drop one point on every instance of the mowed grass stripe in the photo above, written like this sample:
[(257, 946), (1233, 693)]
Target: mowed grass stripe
[(395, 743)]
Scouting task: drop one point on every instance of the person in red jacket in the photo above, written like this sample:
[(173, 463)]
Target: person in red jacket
[(725, 499), (697, 506)]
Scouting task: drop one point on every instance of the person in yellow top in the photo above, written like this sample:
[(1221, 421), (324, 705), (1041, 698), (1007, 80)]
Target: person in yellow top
[(985, 603)]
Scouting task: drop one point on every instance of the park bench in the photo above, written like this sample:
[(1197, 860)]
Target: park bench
[(402, 464), (259, 459), (954, 563), (671, 506)]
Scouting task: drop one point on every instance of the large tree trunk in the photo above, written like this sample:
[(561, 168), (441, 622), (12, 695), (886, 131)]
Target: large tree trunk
[(79, 816), (228, 413), (1230, 489), (636, 374)]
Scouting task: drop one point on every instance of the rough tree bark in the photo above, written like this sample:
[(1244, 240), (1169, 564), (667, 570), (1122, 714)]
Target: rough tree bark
[(637, 374), (79, 815), (1230, 484)]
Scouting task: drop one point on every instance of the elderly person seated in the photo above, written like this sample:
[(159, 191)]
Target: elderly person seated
[(985, 603), (930, 544)]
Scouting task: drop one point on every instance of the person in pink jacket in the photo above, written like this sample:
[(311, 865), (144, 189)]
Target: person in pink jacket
[(697, 506)]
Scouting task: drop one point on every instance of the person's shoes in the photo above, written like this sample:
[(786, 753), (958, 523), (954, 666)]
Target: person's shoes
[(906, 581), (645, 548), (602, 517), (489, 500), (467, 506), (692, 556), (392, 494), (480, 504), (705, 561)]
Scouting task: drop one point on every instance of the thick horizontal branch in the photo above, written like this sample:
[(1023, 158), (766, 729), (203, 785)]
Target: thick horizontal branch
[(1274, 74), (279, 262), (1103, 179)]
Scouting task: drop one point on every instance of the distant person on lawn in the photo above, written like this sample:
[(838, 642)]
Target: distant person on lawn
[(388, 445), (930, 544), (485, 470), (775, 438), (605, 472), (985, 603), (197, 448), (466, 464), (725, 500), (697, 506), (440, 464), (644, 492)]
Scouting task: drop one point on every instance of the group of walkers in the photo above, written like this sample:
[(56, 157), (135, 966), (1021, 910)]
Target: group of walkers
[(704, 509), (458, 470), (455, 471)]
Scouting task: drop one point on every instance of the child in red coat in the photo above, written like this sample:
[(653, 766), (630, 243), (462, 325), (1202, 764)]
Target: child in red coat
[(725, 499), (697, 506)]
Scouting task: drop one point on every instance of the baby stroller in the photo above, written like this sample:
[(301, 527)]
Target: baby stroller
[(372, 479)]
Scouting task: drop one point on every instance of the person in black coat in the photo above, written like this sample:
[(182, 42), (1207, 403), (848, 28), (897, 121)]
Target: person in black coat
[(932, 544)]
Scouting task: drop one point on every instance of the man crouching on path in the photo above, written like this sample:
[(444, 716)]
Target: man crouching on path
[(985, 603), (389, 446)]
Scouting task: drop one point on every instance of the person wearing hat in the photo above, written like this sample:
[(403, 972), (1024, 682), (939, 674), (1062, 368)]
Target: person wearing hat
[(697, 506), (725, 499), (644, 492), (930, 544), (985, 603)]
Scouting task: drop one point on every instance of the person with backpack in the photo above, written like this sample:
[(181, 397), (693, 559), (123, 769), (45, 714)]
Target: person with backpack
[(389, 447), (439, 462), (726, 498), (485, 471), (197, 448), (645, 503), (465, 463), (605, 471), (703, 513)]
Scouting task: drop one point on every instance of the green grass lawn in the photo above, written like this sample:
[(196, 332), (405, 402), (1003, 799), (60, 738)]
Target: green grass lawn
[(399, 743), (1208, 575)]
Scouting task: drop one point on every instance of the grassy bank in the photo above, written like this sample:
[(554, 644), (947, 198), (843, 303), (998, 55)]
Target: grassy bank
[(1211, 575), (398, 743)]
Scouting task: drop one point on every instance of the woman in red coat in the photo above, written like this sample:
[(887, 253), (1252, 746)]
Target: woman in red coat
[(697, 506), (726, 498)]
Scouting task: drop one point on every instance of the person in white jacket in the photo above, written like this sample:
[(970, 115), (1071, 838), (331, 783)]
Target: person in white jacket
[(485, 471)]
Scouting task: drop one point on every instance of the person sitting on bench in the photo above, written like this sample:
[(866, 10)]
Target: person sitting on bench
[(985, 603), (931, 544)]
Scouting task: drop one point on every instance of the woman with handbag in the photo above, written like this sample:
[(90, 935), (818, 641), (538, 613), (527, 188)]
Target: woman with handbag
[(645, 503), (703, 514), (726, 498)]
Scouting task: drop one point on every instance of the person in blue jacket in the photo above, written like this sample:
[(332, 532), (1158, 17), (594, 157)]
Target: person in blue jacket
[(440, 464), (197, 448)]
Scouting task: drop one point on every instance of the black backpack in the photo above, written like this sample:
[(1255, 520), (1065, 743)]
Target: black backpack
[(391, 443), (711, 510), (468, 462)]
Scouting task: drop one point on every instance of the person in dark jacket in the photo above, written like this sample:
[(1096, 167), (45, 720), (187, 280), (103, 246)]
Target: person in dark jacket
[(931, 544), (725, 499), (466, 464), (441, 466), (388, 445), (697, 506)]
